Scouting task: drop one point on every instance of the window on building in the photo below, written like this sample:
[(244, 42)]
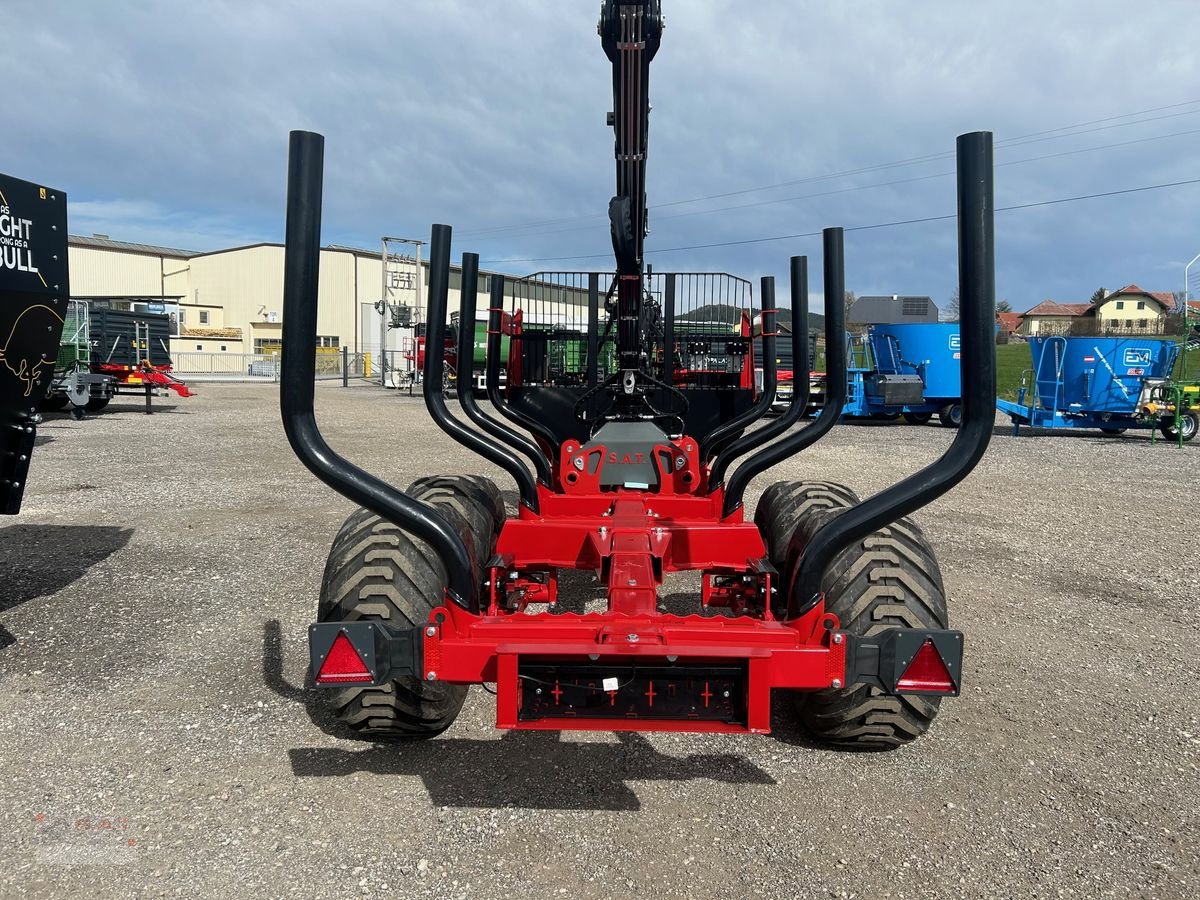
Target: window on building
[(223, 348), (1120, 304), (1141, 304), (182, 317), (204, 317), (199, 347), (275, 345), (1141, 323)]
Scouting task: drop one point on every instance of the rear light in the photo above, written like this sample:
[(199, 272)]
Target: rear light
[(344, 665), (927, 673)]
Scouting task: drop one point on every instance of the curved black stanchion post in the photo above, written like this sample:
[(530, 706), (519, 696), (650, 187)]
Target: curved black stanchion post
[(800, 386), (714, 444), (297, 385), (435, 359), (492, 376), (835, 377), (977, 288), (466, 388)]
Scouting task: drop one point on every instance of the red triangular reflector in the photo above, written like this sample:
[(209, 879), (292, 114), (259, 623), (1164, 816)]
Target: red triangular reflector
[(927, 672), (343, 665)]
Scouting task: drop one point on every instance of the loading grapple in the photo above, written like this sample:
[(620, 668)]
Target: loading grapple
[(624, 420)]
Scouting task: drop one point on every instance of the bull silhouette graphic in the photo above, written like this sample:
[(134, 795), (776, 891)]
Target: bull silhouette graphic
[(21, 353)]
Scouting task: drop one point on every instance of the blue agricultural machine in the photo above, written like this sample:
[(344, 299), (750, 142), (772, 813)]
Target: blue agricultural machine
[(909, 370), (1105, 383)]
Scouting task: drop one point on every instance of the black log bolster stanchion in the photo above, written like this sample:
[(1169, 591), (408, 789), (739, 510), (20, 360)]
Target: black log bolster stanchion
[(435, 359), (977, 289), (468, 300), (835, 378), (492, 369), (800, 374), (297, 385), (714, 444)]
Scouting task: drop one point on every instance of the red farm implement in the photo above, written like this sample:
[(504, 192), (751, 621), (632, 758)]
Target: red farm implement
[(625, 420)]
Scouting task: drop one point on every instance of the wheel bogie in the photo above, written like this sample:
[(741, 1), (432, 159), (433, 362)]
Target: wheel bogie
[(377, 571), (889, 580)]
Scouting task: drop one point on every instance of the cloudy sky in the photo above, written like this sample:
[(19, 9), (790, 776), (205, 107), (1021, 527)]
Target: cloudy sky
[(167, 122)]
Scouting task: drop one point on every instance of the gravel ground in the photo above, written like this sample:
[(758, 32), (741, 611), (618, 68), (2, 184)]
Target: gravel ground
[(155, 737)]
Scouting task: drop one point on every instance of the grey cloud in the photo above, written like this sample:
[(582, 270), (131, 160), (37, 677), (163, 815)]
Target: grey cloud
[(169, 121)]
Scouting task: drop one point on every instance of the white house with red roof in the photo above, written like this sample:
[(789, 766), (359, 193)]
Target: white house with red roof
[(1134, 311), (1049, 317)]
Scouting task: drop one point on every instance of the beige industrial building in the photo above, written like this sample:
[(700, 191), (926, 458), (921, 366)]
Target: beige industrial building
[(230, 301)]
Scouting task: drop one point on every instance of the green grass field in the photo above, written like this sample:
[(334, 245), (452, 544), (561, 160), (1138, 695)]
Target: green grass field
[(1011, 361)]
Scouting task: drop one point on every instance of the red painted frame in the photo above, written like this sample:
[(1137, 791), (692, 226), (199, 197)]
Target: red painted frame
[(632, 539)]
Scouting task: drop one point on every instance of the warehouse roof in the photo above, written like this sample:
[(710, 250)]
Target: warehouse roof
[(103, 243)]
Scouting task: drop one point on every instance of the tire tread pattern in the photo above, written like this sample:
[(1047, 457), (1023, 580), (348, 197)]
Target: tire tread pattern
[(377, 571), (888, 580)]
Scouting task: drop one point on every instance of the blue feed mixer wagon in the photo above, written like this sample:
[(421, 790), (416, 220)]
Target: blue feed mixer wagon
[(908, 369), (1103, 383)]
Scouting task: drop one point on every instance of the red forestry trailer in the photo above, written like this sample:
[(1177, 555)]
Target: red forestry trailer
[(623, 433)]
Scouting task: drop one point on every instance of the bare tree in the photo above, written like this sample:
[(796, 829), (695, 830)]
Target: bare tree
[(951, 312)]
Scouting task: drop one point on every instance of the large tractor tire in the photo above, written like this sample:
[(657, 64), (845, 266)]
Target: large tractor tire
[(889, 580), (918, 418), (785, 504), (377, 571), (97, 403)]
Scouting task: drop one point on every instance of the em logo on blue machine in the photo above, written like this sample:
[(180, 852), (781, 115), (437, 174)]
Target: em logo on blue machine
[(956, 342), (1137, 356)]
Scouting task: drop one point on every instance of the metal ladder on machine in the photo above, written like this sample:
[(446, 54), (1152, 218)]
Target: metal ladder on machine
[(1037, 412)]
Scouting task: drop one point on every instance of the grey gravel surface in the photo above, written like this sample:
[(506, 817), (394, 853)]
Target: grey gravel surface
[(156, 739)]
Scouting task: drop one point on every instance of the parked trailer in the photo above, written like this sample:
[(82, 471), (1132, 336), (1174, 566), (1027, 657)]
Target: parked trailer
[(134, 348), (908, 370), (634, 476), (75, 384), (1107, 384), (34, 288)]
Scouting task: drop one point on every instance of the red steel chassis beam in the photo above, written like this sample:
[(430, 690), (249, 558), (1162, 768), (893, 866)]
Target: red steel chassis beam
[(632, 538)]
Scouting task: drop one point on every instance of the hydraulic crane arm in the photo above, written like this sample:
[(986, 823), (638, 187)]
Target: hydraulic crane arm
[(631, 32)]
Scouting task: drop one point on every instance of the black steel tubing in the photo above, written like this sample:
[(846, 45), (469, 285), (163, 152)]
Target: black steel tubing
[(977, 289), (467, 305), (301, 269), (835, 376), (713, 444), (593, 330), (800, 386), (492, 377), (668, 368), (435, 359)]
